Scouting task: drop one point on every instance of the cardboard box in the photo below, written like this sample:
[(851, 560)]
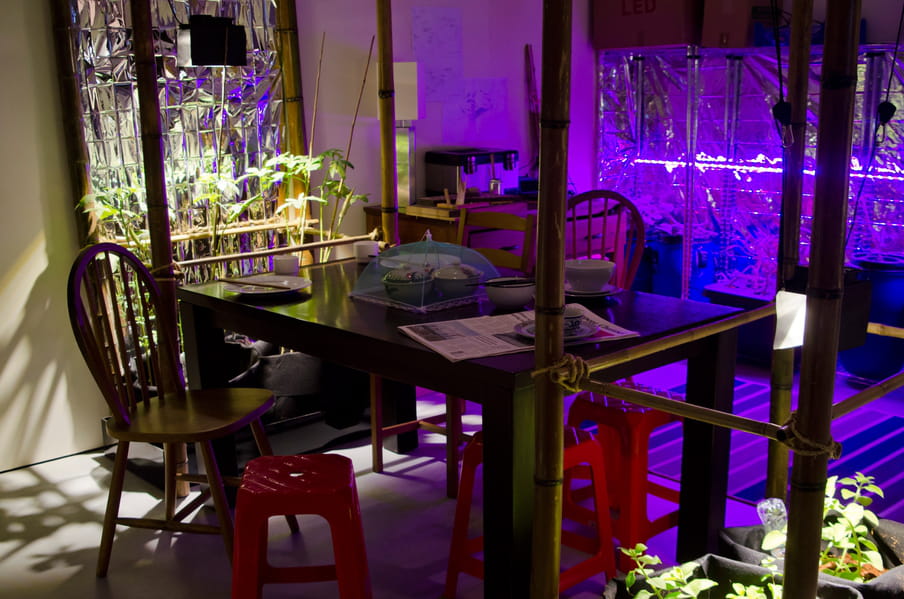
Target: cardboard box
[(730, 23), (643, 23)]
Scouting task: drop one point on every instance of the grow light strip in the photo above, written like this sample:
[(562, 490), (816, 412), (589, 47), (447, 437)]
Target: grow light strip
[(758, 167)]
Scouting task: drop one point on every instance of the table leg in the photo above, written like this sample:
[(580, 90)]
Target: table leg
[(508, 470), (706, 448), (205, 348)]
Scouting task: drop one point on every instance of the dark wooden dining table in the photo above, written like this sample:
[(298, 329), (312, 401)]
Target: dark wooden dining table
[(324, 321)]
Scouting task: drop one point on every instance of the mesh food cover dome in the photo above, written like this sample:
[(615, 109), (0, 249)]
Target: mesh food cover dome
[(424, 276)]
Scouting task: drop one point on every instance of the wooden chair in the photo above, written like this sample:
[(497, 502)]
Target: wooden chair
[(507, 240), (605, 224), (514, 238), (131, 349)]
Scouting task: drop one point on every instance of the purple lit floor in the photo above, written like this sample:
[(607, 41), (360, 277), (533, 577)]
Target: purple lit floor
[(50, 520)]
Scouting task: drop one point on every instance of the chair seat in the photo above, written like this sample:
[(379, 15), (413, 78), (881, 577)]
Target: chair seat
[(197, 416)]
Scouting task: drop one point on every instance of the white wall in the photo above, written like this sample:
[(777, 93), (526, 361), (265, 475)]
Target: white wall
[(48, 403), (881, 18), (479, 102)]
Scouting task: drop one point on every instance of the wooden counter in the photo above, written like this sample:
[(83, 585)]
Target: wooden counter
[(412, 228)]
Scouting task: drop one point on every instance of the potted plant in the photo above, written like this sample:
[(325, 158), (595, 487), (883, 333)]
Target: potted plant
[(709, 577), (858, 549)]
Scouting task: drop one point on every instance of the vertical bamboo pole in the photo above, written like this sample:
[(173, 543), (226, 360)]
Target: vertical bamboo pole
[(389, 196), (152, 153), (555, 99), (290, 68), (789, 233), (824, 292), (155, 184), (74, 133)]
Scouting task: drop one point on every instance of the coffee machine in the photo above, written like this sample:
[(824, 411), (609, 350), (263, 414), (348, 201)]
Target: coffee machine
[(466, 173)]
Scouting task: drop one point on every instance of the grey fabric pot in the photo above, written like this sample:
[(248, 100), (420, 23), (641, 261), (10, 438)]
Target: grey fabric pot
[(743, 543), (726, 571)]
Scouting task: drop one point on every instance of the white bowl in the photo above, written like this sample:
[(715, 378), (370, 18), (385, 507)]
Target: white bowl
[(510, 293), (456, 281), (588, 274)]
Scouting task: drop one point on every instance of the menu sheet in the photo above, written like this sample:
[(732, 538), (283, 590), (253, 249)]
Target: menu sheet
[(483, 336)]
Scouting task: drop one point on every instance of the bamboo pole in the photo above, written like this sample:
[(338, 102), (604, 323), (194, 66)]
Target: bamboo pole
[(278, 250), (871, 393), (152, 155), (555, 100), (824, 292), (290, 70), (664, 343), (686, 410), (886, 330), (389, 195), (789, 232), (781, 385), (73, 131), (155, 184)]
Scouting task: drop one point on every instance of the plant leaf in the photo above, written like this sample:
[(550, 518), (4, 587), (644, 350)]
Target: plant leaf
[(774, 539)]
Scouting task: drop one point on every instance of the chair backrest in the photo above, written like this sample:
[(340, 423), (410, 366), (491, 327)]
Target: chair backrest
[(506, 240), (605, 224), (114, 309)]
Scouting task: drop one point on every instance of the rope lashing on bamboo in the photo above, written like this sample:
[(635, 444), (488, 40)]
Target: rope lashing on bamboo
[(804, 446), (569, 372)]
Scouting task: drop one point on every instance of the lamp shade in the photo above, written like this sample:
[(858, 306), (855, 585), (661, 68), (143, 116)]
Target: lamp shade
[(406, 96), (210, 41)]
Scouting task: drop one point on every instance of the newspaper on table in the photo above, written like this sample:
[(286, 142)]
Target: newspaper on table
[(484, 336)]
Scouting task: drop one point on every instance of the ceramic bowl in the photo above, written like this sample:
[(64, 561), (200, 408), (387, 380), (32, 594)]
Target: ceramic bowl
[(408, 286), (588, 274), (456, 281), (510, 293)]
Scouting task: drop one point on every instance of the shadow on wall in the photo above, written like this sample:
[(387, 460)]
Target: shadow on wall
[(51, 406)]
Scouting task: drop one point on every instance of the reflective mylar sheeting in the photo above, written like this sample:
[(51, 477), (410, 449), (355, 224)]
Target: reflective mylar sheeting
[(654, 103), (215, 119)]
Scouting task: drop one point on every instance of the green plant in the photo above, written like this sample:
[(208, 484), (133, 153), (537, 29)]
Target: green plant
[(676, 582), (123, 211), (753, 591), (332, 194), (847, 550)]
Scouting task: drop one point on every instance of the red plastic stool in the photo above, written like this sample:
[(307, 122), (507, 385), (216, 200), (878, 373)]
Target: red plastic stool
[(321, 484), (624, 431), (462, 556)]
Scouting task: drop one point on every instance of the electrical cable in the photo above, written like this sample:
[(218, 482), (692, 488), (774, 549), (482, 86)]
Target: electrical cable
[(781, 112), (885, 111)]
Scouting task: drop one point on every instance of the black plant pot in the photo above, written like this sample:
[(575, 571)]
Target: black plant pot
[(743, 543), (725, 571)]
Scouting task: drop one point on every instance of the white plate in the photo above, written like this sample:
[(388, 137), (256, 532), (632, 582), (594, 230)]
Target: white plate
[(609, 289), (292, 284), (587, 328)]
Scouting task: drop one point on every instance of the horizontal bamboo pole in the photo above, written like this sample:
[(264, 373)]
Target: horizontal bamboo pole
[(686, 410), (869, 394), (255, 226), (885, 330), (271, 224), (280, 250), (657, 345)]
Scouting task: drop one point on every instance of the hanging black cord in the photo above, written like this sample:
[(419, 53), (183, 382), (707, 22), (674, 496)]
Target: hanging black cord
[(886, 110), (781, 112)]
